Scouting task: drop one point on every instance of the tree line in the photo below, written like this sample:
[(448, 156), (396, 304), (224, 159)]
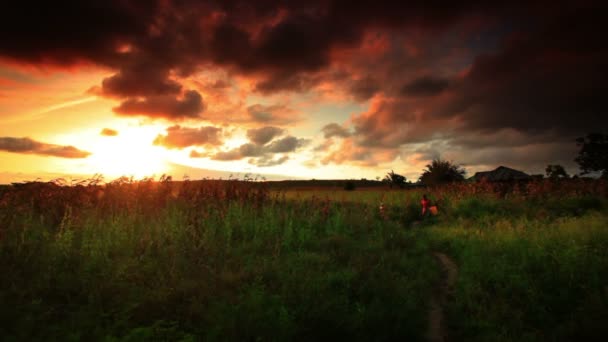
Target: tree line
[(592, 158)]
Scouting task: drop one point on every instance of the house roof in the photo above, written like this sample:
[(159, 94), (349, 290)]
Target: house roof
[(501, 173)]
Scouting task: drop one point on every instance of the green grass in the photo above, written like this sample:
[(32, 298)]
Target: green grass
[(541, 279), (282, 272), (309, 265)]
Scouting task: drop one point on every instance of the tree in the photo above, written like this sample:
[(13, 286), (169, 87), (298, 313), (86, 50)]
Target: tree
[(393, 178), (442, 171), (556, 171), (593, 156)]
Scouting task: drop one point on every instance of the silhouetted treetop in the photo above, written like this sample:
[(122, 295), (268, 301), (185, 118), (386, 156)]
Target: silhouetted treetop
[(593, 156), (556, 171), (395, 179), (442, 171)]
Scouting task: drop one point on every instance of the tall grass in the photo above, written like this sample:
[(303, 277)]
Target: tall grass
[(216, 261), (540, 275), (234, 260)]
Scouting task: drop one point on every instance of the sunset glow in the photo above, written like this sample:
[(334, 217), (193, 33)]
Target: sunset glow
[(295, 92), (130, 153)]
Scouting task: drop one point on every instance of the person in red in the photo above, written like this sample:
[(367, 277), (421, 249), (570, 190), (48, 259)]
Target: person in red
[(426, 204)]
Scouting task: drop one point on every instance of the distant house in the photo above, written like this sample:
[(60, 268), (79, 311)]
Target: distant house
[(500, 174)]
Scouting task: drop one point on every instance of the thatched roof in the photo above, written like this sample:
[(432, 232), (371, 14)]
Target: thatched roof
[(500, 174)]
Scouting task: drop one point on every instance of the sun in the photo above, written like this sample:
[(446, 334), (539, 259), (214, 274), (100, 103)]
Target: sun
[(130, 153)]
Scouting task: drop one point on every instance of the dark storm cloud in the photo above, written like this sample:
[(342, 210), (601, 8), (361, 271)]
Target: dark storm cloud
[(164, 106), (69, 32), (434, 76), (283, 44), (363, 89), (425, 86), (108, 132), (140, 81), (543, 84), (30, 146), (261, 136), (296, 43), (547, 79), (287, 81), (181, 137)]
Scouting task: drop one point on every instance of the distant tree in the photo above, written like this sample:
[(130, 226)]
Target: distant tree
[(442, 171), (593, 156), (556, 171), (393, 178)]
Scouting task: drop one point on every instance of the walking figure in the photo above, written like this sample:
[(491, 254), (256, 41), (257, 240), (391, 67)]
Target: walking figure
[(425, 205), (427, 208)]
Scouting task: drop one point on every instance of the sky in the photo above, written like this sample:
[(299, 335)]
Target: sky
[(296, 89)]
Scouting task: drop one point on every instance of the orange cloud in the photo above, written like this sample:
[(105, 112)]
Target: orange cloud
[(30, 146)]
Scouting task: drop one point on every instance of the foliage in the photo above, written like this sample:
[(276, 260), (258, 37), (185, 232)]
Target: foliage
[(204, 260), (441, 172), (524, 279), (593, 155), (395, 179), (556, 171)]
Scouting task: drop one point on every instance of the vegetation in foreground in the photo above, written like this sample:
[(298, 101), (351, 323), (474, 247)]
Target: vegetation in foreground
[(233, 261)]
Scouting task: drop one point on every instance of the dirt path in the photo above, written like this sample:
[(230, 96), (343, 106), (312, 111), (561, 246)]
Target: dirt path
[(437, 329)]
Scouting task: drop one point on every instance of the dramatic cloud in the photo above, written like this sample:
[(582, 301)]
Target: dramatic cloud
[(284, 145), (425, 86), (143, 81), (349, 152), (273, 114), (261, 136), (540, 86), (462, 73), (364, 88), (151, 43), (391, 122), (30, 146), (68, 32), (164, 106), (539, 81), (108, 132), (181, 137)]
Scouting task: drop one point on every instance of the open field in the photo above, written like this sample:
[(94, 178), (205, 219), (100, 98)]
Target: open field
[(235, 260)]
